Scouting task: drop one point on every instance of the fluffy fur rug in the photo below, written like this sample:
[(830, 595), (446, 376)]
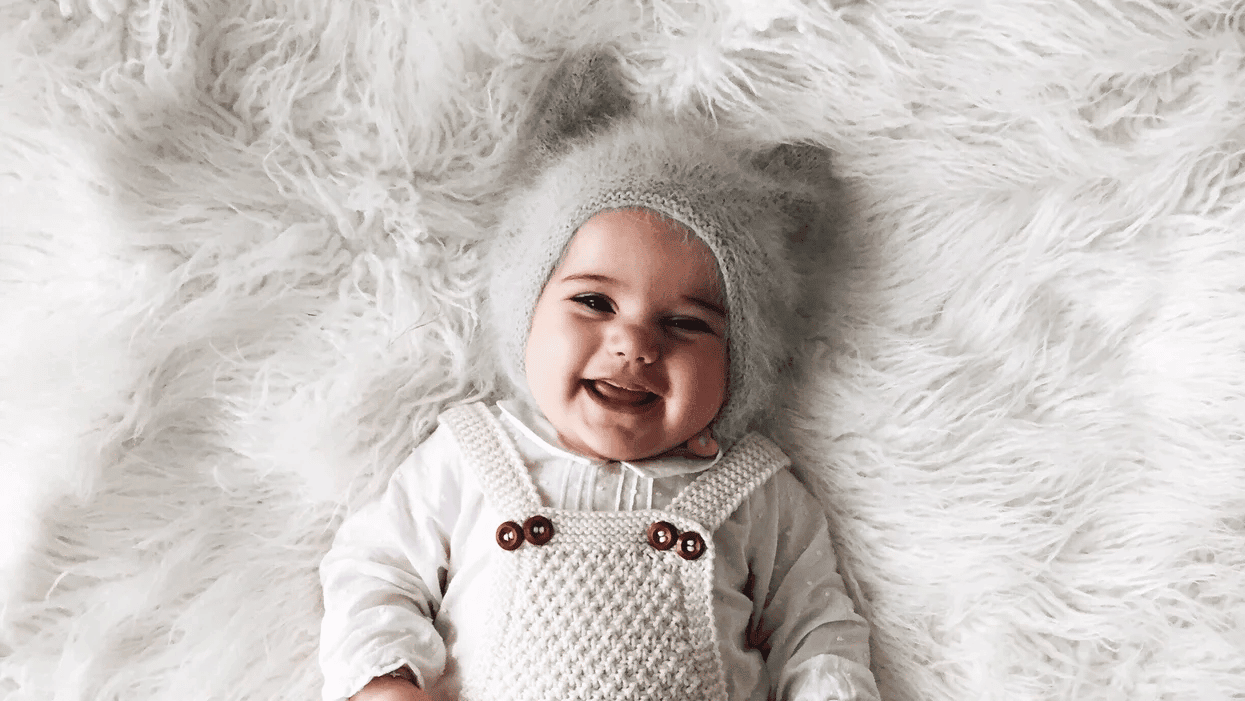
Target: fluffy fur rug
[(239, 277)]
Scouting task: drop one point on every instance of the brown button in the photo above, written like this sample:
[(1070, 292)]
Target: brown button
[(509, 535), (661, 535), (538, 530), (691, 545)]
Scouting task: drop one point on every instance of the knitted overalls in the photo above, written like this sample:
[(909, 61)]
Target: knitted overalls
[(602, 605)]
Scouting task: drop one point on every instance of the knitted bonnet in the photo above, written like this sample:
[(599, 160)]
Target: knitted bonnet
[(594, 154)]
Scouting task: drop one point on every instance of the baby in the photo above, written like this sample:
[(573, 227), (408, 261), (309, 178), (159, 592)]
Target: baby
[(613, 530)]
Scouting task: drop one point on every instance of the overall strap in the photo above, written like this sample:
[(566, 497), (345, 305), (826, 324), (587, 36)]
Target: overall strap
[(502, 473), (715, 494)]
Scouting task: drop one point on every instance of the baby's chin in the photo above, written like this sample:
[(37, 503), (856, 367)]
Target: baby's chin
[(621, 451)]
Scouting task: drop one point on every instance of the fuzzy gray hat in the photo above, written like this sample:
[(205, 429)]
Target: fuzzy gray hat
[(744, 202)]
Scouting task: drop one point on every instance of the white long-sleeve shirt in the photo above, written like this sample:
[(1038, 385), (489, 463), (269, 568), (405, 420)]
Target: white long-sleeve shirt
[(402, 582)]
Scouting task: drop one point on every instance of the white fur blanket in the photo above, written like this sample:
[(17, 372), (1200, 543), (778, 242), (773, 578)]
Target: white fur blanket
[(238, 281)]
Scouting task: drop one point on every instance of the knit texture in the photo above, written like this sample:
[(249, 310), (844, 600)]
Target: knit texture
[(745, 202), (598, 613), (731, 483)]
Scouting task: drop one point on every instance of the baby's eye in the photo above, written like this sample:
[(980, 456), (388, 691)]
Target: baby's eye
[(689, 323), (595, 302)]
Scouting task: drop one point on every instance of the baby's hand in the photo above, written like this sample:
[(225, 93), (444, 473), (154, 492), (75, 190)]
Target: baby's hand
[(702, 445), (391, 689)]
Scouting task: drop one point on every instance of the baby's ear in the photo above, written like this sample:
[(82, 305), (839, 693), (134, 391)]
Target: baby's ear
[(584, 92)]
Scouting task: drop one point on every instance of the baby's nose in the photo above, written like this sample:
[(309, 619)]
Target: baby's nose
[(635, 342)]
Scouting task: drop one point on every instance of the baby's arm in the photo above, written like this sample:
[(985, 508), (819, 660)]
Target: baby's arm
[(382, 582), (817, 647)]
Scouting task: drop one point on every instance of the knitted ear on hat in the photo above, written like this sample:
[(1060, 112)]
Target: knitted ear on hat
[(805, 170), (583, 93)]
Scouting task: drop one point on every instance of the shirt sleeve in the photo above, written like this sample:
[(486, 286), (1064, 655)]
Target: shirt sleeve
[(816, 646), (382, 578)]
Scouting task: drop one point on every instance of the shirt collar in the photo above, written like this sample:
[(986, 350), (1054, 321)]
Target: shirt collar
[(535, 426)]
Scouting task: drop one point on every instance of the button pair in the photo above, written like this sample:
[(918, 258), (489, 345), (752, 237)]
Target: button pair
[(663, 536), (537, 530)]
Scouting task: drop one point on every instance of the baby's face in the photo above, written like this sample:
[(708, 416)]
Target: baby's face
[(627, 351)]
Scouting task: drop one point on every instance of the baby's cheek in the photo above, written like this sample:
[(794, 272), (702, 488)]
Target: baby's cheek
[(556, 355), (707, 389), (714, 380)]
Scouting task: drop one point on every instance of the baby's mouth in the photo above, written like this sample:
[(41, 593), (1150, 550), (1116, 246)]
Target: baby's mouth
[(614, 394)]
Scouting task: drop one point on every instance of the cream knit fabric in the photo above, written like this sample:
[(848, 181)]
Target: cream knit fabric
[(597, 612)]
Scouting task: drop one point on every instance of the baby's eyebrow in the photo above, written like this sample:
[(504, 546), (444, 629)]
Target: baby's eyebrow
[(592, 277), (707, 305)]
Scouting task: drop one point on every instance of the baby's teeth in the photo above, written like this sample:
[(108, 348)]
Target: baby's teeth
[(618, 393)]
